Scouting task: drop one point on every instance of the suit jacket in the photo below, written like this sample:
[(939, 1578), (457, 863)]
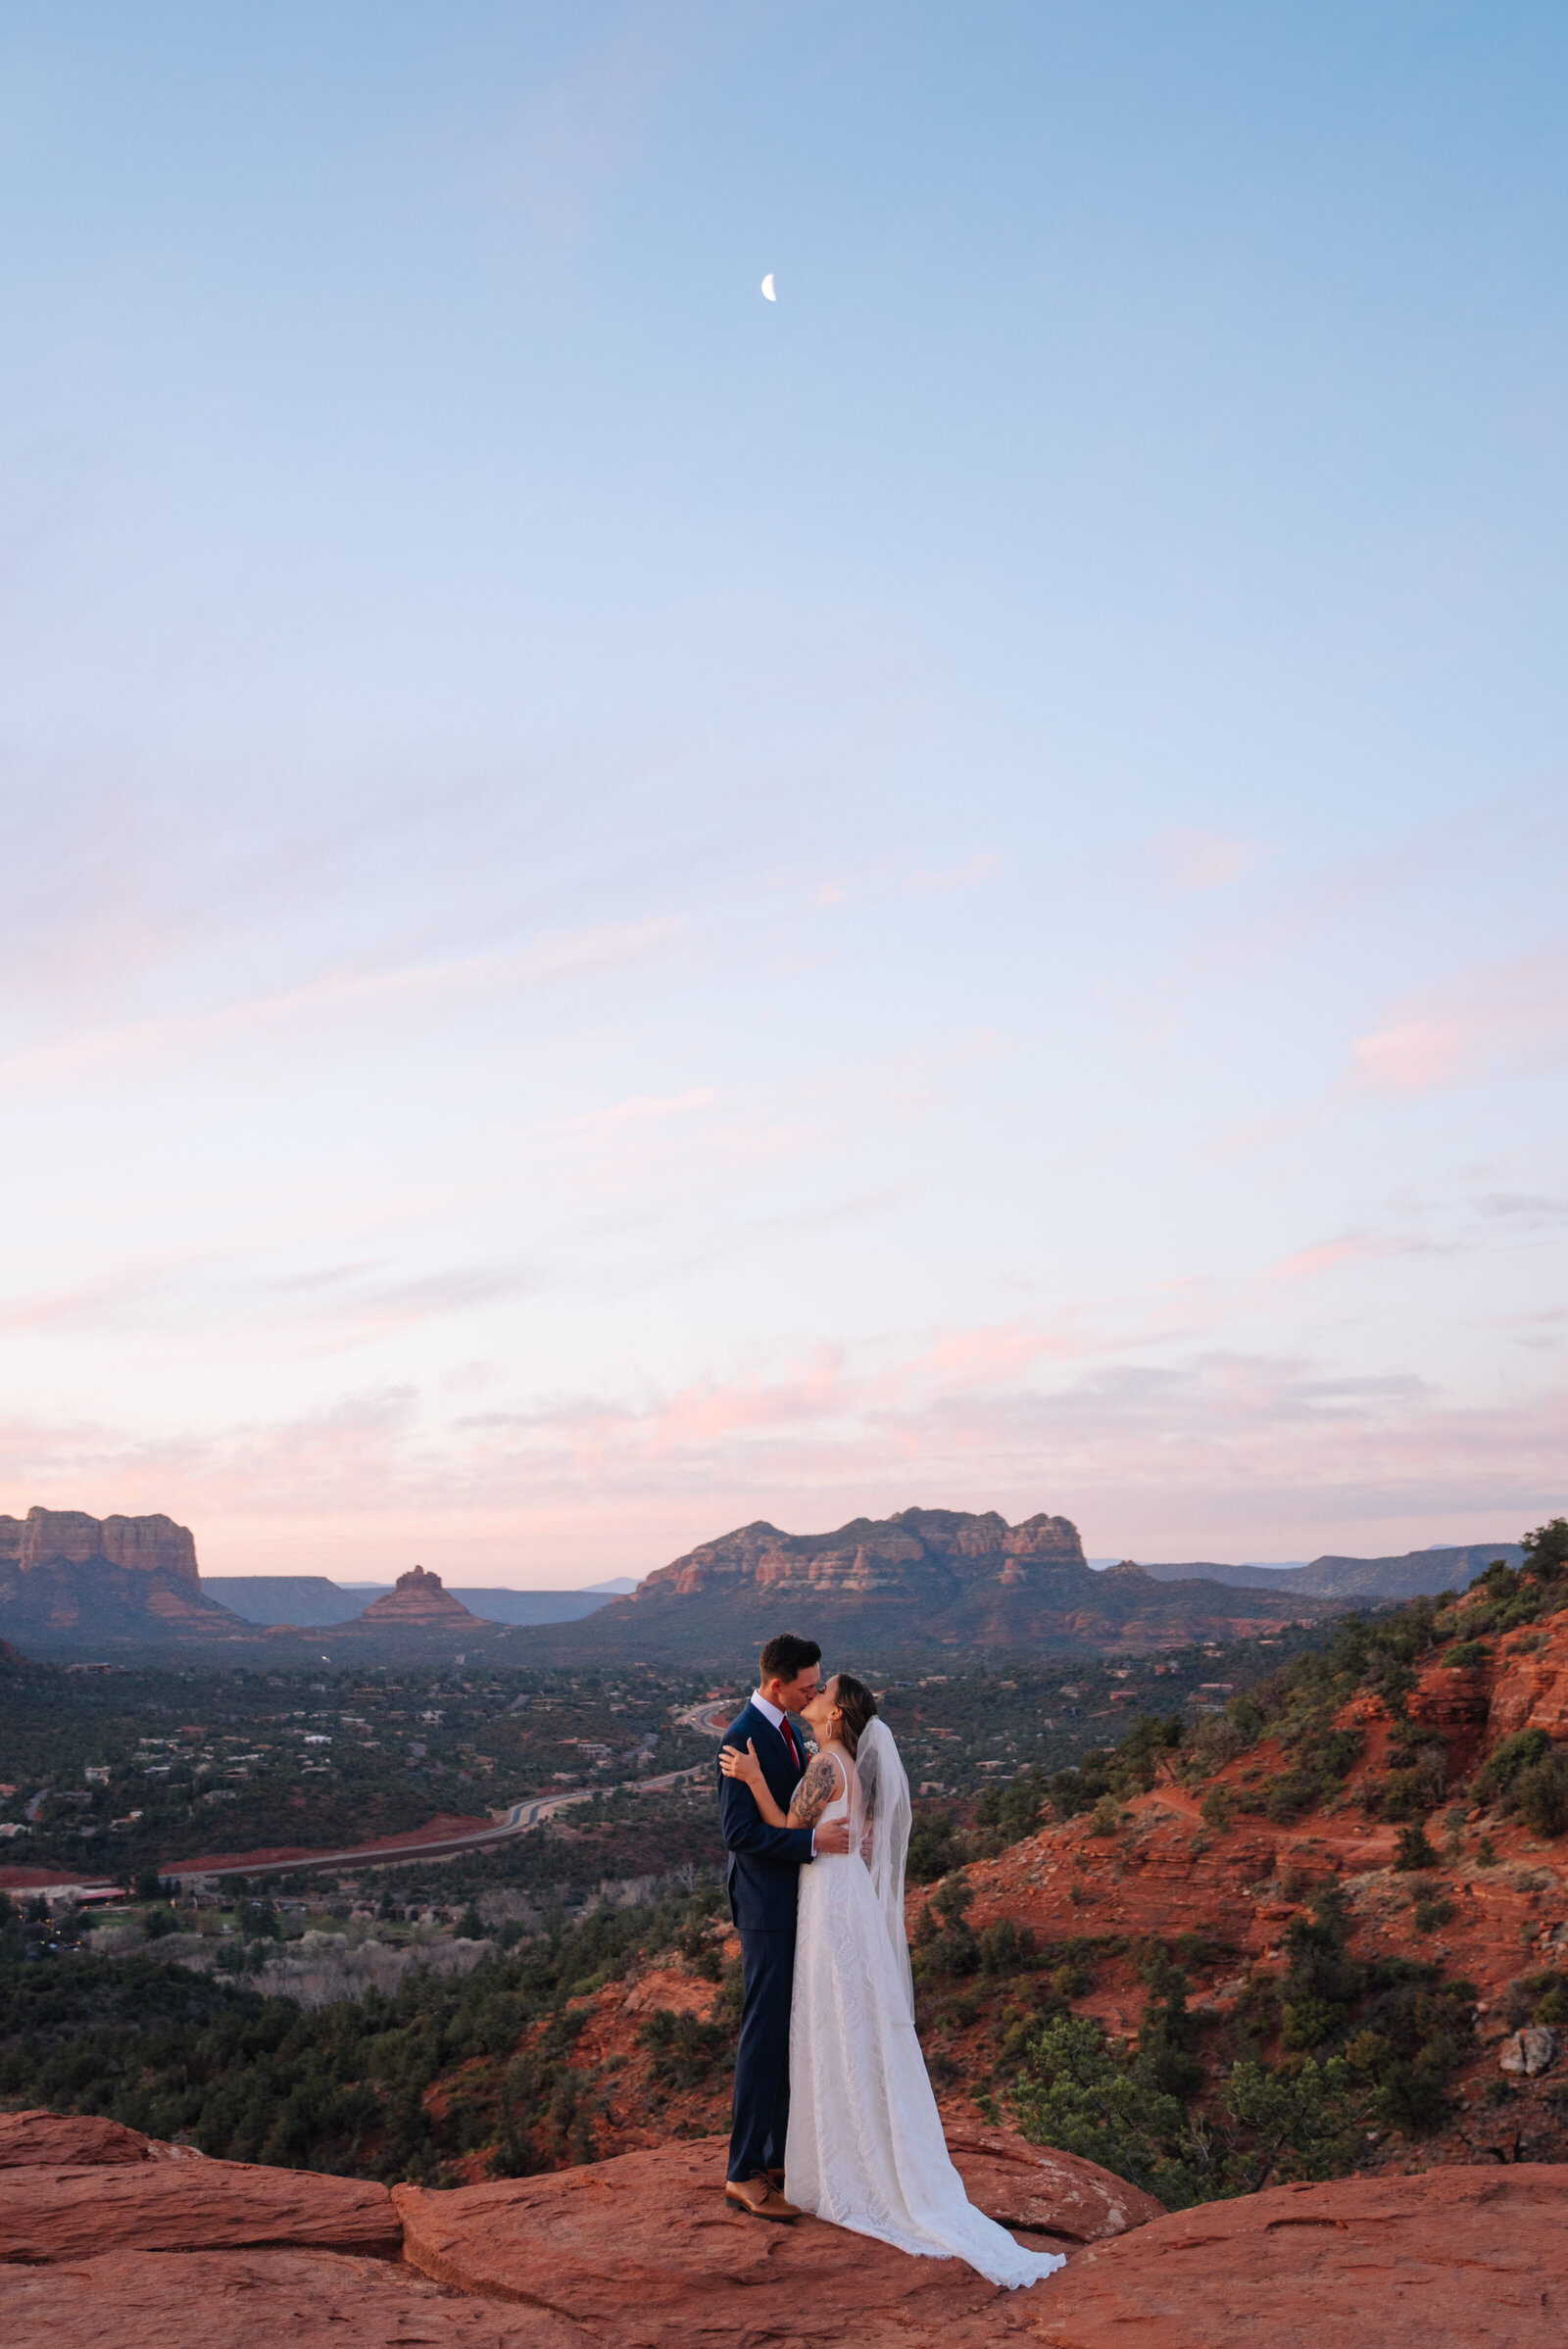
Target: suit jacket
[(763, 1873)]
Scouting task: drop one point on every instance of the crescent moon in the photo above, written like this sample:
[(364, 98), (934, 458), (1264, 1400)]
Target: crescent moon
[(768, 294)]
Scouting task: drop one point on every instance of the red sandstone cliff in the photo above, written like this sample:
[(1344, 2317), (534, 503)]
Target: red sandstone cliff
[(941, 1576), (418, 1599), (71, 1538), (66, 1576)]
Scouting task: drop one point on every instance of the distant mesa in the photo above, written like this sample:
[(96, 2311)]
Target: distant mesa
[(418, 1598), (921, 1579), (312, 1602), (65, 1576), (71, 1538), (1413, 1574)]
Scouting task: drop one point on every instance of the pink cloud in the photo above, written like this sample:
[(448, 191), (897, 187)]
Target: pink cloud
[(549, 961), (1188, 861), (1222, 1454), (1352, 1248), (1496, 1019)]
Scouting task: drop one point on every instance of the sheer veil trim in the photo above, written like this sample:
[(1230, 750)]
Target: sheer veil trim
[(879, 1831)]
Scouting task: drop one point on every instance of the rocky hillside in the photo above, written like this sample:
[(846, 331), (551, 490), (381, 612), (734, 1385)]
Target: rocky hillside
[(925, 1578), (1336, 1914)]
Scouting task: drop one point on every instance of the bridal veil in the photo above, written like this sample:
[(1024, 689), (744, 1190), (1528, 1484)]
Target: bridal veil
[(879, 1830)]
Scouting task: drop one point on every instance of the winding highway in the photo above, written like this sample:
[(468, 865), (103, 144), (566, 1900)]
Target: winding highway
[(707, 1719)]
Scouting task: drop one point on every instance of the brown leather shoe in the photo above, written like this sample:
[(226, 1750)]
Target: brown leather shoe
[(759, 2197), (778, 2175)]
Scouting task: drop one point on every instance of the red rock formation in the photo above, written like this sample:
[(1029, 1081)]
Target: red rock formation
[(1456, 2257), (938, 1576), (55, 2211), (865, 1556), (254, 2300), (153, 2247), (1530, 1692), (1455, 1704), (72, 2140), (418, 1599), (71, 1538), (1029, 2186), (643, 2250)]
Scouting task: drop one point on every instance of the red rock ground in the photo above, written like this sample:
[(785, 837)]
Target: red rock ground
[(642, 2253)]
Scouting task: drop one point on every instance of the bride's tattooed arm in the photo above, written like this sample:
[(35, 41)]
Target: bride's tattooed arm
[(814, 1792)]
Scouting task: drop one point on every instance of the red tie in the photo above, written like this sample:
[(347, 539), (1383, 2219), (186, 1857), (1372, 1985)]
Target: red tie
[(789, 1739)]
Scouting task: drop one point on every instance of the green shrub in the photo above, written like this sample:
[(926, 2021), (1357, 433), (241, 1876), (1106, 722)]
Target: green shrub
[(1075, 1791), (1546, 1552), (684, 2050), (1005, 1815), (1507, 1758), (1547, 1995), (1468, 1656), (1077, 2094), (1308, 2021), (943, 1941), (1003, 1949), (1084, 2096), (1412, 1850), (1429, 1913), (1319, 1965), (1292, 1793), (936, 1847), (1539, 1796), (1217, 1809)]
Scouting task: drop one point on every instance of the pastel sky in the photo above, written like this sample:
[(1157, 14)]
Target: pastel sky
[(629, 908)]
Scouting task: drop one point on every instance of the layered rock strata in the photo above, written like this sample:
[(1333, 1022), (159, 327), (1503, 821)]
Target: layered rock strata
[(923, 1577), (71, 1538), (417, 1598)]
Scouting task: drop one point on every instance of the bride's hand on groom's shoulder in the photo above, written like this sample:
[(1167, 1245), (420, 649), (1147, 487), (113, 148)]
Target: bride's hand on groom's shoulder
[(735, 1764)]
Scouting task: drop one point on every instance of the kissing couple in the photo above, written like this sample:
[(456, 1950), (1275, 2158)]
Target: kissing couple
[(832, 2101)]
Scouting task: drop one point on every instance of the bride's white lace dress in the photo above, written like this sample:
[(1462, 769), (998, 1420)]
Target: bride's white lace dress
[(865, 2147)]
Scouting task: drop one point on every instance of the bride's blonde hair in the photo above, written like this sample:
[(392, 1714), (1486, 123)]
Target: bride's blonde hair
[(857, 1708)]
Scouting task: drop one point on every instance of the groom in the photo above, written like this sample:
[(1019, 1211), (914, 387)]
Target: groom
[(763, 1878)]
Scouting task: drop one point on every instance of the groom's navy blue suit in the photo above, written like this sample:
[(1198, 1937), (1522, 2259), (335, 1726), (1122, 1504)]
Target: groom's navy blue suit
[(763, 1878)]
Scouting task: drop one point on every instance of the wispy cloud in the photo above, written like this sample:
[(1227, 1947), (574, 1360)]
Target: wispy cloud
[(1532, 1209), (643, 1110), (547, 961), (1348, 1250), (1281, 1448), (1496, 1019)]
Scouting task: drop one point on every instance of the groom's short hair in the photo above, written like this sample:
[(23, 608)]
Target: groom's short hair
[(787, 1656)]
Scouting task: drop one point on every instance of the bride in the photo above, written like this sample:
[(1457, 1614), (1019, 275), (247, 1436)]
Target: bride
[(865, 2147)]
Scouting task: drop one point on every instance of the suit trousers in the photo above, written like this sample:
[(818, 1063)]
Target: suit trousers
[(762, 2113)]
